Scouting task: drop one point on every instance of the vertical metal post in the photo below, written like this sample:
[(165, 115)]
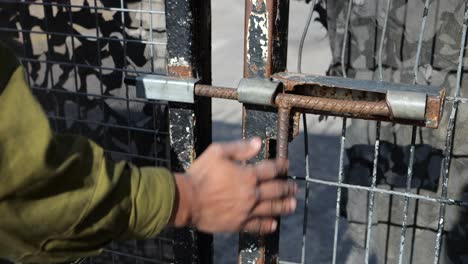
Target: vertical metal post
[(265, 53), (188, 24)]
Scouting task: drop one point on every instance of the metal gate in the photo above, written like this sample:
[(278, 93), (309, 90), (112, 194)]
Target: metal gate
[(80, 57), (85, 57), (409, 192)]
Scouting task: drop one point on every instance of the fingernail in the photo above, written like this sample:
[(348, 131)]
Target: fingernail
[(274, 225), (293, 204), (256, 142)]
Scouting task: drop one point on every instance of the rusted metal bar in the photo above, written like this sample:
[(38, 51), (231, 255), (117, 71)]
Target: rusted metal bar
[(368, 90), (333, 106), (283, 132), (365, 99), (325, 105), (216, 92), (370, 100)]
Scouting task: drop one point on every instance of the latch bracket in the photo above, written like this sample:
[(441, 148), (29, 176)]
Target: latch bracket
[(407, 105), (402, 103), (373, 100), (257, 91), (164, 88)]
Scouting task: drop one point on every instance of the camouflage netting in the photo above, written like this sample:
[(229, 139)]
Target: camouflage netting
[(78, 72), (438, 66)]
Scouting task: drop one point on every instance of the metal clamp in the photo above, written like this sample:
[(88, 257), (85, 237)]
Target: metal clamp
[(407, 105), (158, 87), (257, 91), (396, 102), (418, 105)]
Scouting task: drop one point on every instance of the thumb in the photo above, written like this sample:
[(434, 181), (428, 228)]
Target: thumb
[(242, 150)]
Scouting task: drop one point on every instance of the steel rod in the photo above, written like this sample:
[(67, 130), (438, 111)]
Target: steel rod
[(371, 201), (439, 200), (282, 100), (339, 191), (283, 132), (216, 92), (307, 185), (336, 106)]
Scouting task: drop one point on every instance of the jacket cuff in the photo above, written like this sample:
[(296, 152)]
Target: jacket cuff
[(153, 200)]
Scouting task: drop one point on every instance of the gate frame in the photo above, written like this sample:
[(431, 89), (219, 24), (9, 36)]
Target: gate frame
[(265, 53), (188, 26)]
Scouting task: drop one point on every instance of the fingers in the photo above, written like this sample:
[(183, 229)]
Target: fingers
[(276, 189), (240, 150), (276, 207), (269, 169), (261, 226)]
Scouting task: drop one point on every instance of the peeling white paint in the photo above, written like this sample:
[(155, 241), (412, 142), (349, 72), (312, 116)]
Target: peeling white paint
[(260, 21), (178, 61)]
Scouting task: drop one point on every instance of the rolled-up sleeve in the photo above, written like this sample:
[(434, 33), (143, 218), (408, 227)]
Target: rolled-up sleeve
[(60, 199)]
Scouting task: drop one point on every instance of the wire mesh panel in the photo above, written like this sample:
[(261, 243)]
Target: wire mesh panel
[(392, 183), (78, 56)]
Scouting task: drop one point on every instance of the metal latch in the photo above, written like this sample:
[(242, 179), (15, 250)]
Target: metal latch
[(257, 91), (164, 88), (401, 103), (365, 99), (407, 105), (372, 100)]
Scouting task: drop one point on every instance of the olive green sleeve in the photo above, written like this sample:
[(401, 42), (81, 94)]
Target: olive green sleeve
[(59, 198)]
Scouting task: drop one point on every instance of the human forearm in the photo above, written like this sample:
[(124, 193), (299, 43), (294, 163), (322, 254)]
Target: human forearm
[(59, 197)]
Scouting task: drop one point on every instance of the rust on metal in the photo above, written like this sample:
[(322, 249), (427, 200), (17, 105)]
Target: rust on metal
[(370, 110), (216, 92), (288, 83), (434, 110), (354, 94), (333, 106), (184, 72), (296, 118), (302, 102), (283, 132)]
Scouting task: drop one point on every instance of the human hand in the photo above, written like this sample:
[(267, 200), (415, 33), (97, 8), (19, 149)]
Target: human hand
[(218, 194)]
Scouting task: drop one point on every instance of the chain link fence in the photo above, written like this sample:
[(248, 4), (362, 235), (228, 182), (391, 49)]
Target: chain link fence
[(394, 201), (77, 55)]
